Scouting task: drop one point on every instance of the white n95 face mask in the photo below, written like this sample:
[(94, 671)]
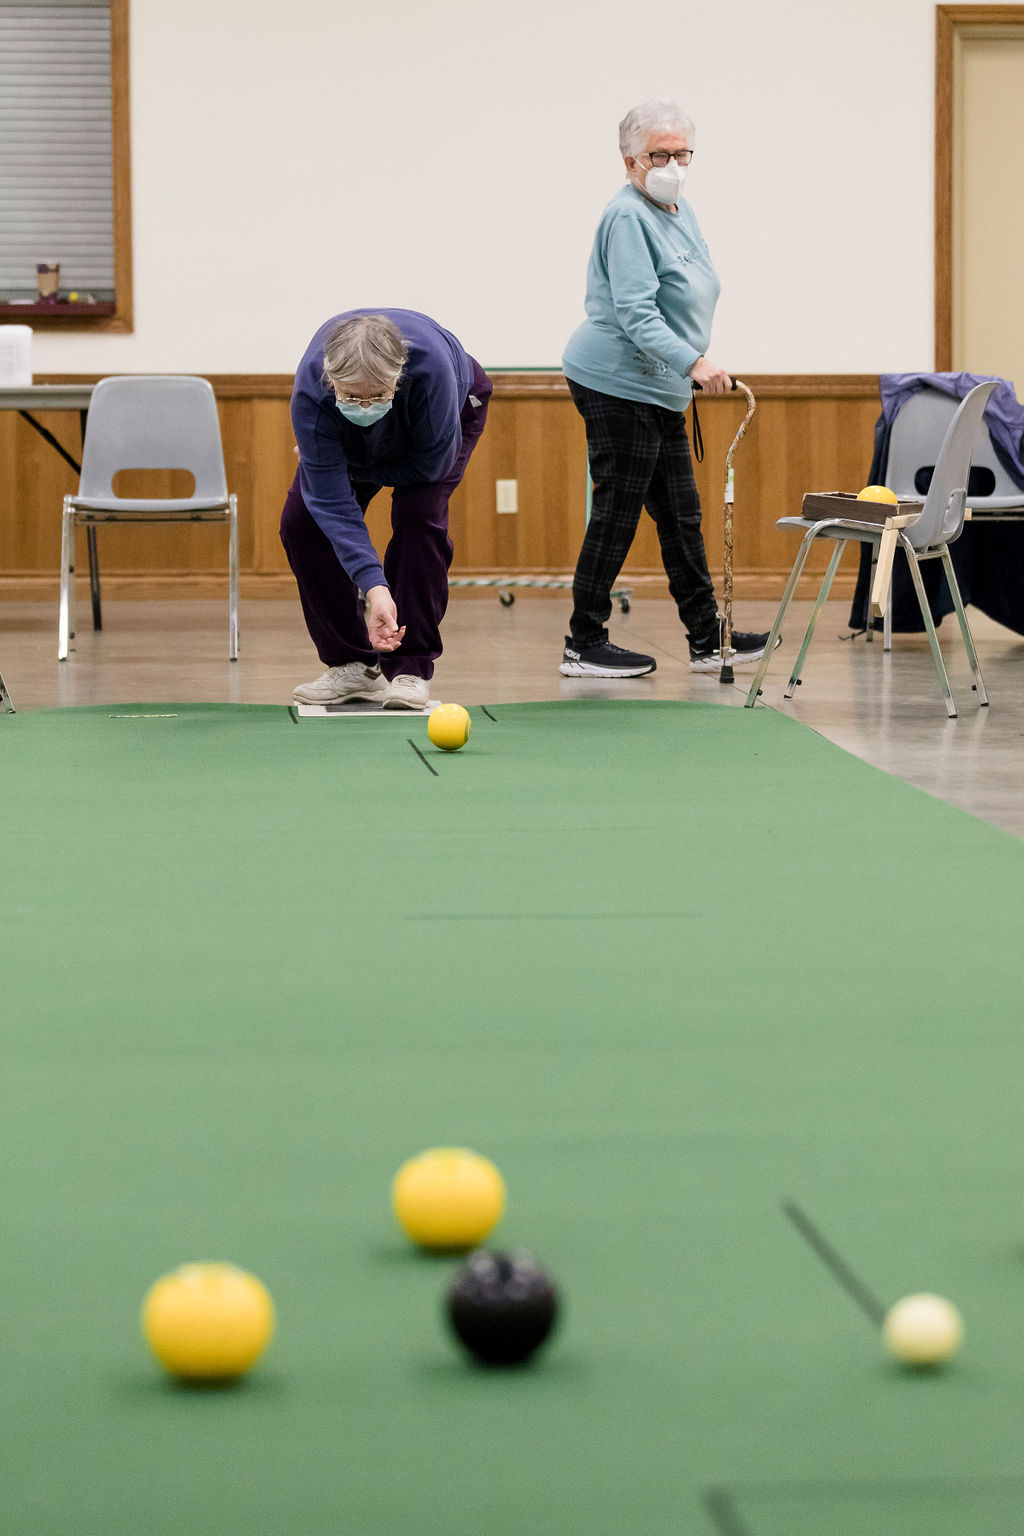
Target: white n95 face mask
[(665, 182), (364, 415)]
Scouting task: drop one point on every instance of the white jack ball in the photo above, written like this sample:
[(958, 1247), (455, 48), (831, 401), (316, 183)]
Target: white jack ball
[(923, 1329)]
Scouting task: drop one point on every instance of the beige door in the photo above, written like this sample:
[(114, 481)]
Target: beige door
[(988, 204)]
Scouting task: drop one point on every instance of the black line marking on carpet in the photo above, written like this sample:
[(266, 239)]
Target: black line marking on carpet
[(293, 712), (721, 1503), (488, 713), (723, 1513), (835, 1264), (419, 754)]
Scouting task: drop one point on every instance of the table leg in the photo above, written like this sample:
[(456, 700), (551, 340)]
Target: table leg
[(94, 578)]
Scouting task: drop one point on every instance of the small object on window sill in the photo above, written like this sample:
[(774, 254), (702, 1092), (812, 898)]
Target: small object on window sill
[(47, 281)]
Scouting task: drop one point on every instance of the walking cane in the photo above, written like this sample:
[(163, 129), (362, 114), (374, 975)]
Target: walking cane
[(726, 674)]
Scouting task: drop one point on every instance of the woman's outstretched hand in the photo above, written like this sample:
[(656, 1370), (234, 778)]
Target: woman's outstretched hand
[(382, 620)]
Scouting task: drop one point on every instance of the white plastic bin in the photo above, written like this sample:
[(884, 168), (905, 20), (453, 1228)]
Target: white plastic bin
[(15, 355)]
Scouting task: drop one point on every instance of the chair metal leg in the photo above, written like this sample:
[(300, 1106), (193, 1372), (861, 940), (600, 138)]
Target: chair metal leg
[(887, 620), (787, 598), (823, 591), (94, 559), (233, 578), (65, 630), (965, 628), (929, 624), (5, 698), (94, 577)]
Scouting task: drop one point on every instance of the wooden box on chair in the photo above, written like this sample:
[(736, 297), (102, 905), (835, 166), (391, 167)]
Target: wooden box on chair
[(818, 505)]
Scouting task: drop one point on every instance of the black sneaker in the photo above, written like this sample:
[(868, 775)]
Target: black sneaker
[(602, 659), (706, 654)]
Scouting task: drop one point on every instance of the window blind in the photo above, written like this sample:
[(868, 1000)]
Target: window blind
[(56, 172)]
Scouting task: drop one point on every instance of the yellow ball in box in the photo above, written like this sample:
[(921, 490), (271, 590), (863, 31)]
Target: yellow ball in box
[(878, 493)]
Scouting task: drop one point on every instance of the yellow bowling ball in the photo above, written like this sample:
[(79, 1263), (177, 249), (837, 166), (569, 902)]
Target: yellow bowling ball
[(448, 1197), (208, 1322), (448, 726), (878, 493)]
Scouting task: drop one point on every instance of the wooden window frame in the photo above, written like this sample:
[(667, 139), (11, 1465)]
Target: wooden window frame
[(951, 23), (76, 317)]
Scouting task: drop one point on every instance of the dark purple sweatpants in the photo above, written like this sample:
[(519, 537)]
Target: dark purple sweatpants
[(415, 563)]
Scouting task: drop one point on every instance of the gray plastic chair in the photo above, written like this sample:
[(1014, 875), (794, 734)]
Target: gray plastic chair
[(156, 421), (918, 430), (927, 538), (917, 433)]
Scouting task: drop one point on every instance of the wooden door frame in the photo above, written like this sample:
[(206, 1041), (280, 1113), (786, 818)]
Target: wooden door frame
[(952, 22), (123, 319)]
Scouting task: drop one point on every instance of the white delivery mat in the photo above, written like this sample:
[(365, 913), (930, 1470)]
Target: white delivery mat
[(359, 708)]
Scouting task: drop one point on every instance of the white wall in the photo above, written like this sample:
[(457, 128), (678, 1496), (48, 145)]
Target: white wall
[(293, 160)]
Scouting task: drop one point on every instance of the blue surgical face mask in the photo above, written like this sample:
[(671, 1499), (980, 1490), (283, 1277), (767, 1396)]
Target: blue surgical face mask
[(364, 415)]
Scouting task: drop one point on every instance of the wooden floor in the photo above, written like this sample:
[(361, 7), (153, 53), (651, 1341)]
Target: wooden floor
[(886, 709)]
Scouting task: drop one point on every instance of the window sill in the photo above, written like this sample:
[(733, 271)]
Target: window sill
[(61, 314)]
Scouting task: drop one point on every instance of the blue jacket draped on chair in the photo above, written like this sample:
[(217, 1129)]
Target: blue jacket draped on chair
[(988, 560)]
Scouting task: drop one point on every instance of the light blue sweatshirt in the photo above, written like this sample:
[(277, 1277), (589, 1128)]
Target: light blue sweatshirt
[(651, 294)]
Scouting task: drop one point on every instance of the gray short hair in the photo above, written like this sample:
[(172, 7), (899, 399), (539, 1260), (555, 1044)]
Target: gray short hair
[(365, 349), (638, 124)]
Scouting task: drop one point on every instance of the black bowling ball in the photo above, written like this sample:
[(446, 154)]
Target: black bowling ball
[(502, 1306)]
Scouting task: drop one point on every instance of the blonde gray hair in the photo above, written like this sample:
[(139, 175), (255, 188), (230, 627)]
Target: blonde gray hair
[(651, 117), (365, 349)]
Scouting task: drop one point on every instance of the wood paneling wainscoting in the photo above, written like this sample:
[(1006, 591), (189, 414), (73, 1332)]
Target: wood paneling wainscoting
[(809, 433)]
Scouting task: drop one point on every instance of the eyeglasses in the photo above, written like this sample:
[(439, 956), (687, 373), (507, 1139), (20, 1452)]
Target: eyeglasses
[(660, 157), (362, 399)]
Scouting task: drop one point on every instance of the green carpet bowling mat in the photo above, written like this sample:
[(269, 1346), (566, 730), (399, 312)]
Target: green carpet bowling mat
[(669, 965)]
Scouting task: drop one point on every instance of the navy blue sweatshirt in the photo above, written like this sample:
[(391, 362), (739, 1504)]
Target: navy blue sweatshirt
[(416, 443)]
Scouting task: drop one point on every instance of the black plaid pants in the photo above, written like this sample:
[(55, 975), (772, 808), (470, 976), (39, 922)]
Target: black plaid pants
[(639, 457)]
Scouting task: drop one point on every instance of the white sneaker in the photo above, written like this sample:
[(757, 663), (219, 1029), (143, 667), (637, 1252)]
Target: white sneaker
[(407, 692), (340, 684)]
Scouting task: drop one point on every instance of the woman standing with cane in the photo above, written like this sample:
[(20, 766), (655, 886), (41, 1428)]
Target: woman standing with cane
[(631, 368)]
